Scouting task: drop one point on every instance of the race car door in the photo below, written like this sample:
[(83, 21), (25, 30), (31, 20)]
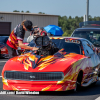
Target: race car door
[(91, 59)]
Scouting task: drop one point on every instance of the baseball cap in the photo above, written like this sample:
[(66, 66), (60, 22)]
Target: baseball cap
[(28, 24)]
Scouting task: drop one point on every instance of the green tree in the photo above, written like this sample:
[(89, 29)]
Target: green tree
[(41, 13), (70, 17), (27, 11), (69, 24), (16, 11), (22, 11)]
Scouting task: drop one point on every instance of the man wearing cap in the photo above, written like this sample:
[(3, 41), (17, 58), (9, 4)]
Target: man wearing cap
[(16, 37)]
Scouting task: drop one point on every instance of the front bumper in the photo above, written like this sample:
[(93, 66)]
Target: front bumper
[(18, 85)]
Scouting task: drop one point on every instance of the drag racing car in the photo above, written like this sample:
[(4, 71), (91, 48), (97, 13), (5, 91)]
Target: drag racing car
[(3, 49), (60, 64)]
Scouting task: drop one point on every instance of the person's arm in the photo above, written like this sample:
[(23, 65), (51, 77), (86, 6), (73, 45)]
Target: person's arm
[(35, 27), (21, 45)]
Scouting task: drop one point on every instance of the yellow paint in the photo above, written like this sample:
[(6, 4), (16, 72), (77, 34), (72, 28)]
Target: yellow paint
[(27, 65), (4, 81), (60, 89), (59, 82), (32, 57), (45, 89), (14, 88)]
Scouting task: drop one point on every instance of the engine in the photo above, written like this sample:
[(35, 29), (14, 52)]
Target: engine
[(46, 46)]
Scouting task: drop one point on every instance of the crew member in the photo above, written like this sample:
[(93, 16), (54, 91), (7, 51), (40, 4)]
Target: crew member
[(16, 37)]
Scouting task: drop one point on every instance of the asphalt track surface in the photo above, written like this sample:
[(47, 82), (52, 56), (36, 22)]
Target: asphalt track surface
[(89, 93)]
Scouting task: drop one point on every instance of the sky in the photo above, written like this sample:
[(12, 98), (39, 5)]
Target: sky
[(53, 7)]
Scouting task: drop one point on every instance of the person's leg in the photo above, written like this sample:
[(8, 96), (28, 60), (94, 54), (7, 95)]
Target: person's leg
[(11, 52), (14, 52)]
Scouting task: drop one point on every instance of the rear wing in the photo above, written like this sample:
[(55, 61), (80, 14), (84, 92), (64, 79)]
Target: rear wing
[(95, 24)]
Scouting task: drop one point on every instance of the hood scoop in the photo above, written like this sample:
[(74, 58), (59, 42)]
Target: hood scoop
[(34, 60), (37, 60), (28, 60)]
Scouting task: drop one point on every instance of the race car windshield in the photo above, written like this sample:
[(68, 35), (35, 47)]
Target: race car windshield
[(92, 36), (68, 47)]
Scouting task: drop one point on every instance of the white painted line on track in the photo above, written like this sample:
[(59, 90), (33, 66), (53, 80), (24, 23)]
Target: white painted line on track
[(3, 61), (0, 76), (97, 98)]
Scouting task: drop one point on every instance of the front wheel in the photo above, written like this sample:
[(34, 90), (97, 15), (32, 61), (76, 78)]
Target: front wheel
[(78, 82)]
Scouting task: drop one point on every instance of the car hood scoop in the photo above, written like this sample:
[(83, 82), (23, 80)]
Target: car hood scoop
[(29, 60)]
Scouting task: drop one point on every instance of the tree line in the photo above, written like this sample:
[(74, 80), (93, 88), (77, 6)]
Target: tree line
[(68, 24), (27, 11)]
